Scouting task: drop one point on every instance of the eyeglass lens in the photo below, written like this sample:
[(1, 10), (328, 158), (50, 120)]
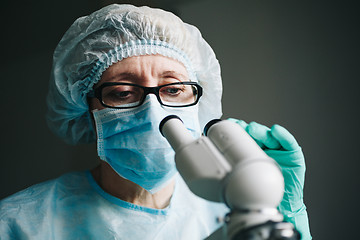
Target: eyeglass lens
[(171, 95)]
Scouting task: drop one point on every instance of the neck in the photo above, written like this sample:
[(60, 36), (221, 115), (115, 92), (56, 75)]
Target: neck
[(128, 191)]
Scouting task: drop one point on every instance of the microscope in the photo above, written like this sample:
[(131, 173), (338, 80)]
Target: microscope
[(227, 165)]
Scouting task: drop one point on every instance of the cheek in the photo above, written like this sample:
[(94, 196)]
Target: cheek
[(94, 103)]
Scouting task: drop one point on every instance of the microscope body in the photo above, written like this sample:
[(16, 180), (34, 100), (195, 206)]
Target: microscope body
[(227, 165)]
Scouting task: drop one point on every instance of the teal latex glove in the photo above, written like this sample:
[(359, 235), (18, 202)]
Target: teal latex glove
[(280, 145)]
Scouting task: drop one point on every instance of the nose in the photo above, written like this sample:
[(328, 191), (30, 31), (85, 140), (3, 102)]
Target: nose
[(152, 92), (152, 98)]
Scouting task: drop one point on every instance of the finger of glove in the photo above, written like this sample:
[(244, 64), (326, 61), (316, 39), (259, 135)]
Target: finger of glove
[(242, 123), (245, 125), (263, 135), (284, 137)]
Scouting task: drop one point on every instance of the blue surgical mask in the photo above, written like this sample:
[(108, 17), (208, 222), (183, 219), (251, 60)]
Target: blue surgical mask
[(130, 141)]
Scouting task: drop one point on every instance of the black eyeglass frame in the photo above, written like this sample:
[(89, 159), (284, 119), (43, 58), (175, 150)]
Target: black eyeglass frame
[(96, 93)]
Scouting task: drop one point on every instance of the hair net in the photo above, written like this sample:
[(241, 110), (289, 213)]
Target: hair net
[(95, 42)]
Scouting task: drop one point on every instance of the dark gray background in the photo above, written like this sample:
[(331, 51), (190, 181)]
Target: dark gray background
[(294, 63)]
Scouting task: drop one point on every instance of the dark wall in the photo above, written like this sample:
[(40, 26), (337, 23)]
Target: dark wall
[(296, 63), (30, 152), (288, 62)]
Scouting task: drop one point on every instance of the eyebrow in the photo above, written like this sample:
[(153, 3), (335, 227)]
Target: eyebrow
[(177, 74), (124, 75), (134, 76)]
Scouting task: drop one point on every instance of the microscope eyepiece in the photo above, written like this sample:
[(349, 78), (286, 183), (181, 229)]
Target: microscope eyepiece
[(209, 124), (167, 118)]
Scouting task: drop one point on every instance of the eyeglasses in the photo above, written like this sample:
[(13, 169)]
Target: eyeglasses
[(127, 95)]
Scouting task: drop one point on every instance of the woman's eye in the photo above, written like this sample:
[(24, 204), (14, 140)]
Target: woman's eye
[(122, 94), (173, 90)]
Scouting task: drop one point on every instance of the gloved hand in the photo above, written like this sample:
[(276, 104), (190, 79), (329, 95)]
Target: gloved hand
[(280, 145)]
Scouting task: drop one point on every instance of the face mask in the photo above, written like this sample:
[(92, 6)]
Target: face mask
[(130, 141)]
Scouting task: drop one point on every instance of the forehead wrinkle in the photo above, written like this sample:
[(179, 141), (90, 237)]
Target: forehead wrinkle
[(136, 69)]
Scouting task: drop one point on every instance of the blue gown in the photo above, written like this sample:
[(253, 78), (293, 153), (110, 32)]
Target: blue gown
[(73, 206)]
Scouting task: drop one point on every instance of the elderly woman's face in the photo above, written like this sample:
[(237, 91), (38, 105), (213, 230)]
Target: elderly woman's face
[(147, 71)]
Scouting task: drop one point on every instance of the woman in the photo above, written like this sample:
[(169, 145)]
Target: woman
[(116, 74)]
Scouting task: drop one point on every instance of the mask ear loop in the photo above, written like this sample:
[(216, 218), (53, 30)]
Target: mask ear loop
[(90, 117)]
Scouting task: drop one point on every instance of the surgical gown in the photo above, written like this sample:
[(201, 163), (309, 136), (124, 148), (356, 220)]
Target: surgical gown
[(73, 206)]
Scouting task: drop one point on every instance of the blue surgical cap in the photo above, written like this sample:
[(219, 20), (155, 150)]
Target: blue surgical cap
[(95, 42)]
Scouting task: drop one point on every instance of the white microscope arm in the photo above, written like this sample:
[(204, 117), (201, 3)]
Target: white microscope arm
[(228, 166)]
